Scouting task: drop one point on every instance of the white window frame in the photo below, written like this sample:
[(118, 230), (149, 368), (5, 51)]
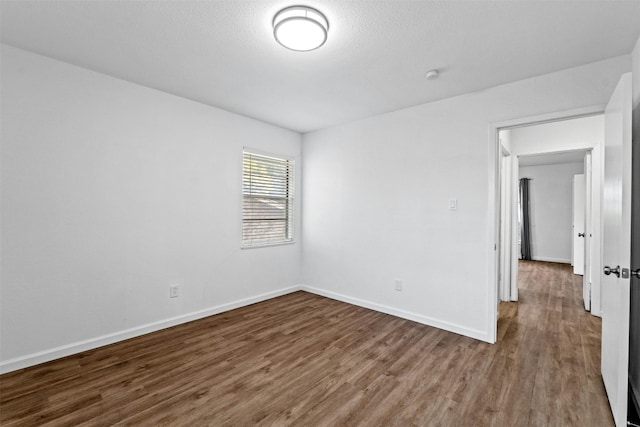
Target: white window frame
[(289, 201)]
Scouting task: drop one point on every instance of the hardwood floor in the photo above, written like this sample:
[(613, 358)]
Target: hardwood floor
[(306, 360)]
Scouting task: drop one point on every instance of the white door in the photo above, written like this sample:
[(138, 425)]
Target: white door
[(616, 256), (579, 200), (515, 227), (505, 227), (586, 280)]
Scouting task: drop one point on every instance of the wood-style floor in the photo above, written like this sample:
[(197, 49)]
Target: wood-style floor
[(305, 360)]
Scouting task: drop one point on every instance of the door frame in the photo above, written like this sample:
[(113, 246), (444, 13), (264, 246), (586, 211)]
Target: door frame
[(575, 240), (587, 279), (493, 217)]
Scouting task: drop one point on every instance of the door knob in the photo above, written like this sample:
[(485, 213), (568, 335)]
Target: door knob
[(608, 270), (636, 273), (580, 234)]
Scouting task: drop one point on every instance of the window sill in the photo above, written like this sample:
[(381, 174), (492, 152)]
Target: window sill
[(267, 245)]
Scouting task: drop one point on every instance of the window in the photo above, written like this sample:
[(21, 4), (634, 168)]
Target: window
[(267, 199)]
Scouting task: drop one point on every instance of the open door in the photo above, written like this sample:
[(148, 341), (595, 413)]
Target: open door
[(515, 227), (509, 227), (505, 227), (616, 254), (588, 234), (579, 205)]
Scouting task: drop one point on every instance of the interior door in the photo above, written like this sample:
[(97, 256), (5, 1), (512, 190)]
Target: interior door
[(586, 280), (505, 227), (616, 254), (579, 202), (515, 227)]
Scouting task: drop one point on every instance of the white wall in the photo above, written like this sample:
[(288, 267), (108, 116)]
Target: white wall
[(112, 191), (505, 140), (551, 195), (377, 190), (565, 135)]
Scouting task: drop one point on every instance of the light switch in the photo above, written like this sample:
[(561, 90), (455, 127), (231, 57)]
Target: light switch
[(453, 204)]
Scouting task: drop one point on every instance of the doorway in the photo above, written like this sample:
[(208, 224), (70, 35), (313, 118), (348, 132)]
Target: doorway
[(551, 155), (611, 240)]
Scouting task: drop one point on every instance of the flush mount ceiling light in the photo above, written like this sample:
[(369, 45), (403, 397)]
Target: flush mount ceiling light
[(300, 28)]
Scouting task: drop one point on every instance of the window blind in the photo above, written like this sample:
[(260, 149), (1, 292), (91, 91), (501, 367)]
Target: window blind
[(267, 199)]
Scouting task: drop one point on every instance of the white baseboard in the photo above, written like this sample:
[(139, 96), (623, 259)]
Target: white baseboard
[(92, 343), (429, 321), (548, 259)]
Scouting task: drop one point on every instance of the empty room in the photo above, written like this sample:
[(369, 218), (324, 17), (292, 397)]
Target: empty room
[(228, 213)]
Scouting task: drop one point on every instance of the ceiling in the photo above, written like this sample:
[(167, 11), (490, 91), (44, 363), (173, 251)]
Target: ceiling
[(222, 52), (576, 156)]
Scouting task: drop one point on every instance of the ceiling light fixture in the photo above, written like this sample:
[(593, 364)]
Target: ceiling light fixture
[(300, 28)]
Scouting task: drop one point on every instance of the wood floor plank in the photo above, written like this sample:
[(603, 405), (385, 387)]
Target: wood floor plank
[(302, 359)]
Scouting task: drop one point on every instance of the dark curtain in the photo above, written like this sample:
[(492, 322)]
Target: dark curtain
[(525, 226)]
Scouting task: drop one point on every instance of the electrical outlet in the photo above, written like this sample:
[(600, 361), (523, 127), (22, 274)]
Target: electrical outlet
[(398, 285), (174, 291)]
